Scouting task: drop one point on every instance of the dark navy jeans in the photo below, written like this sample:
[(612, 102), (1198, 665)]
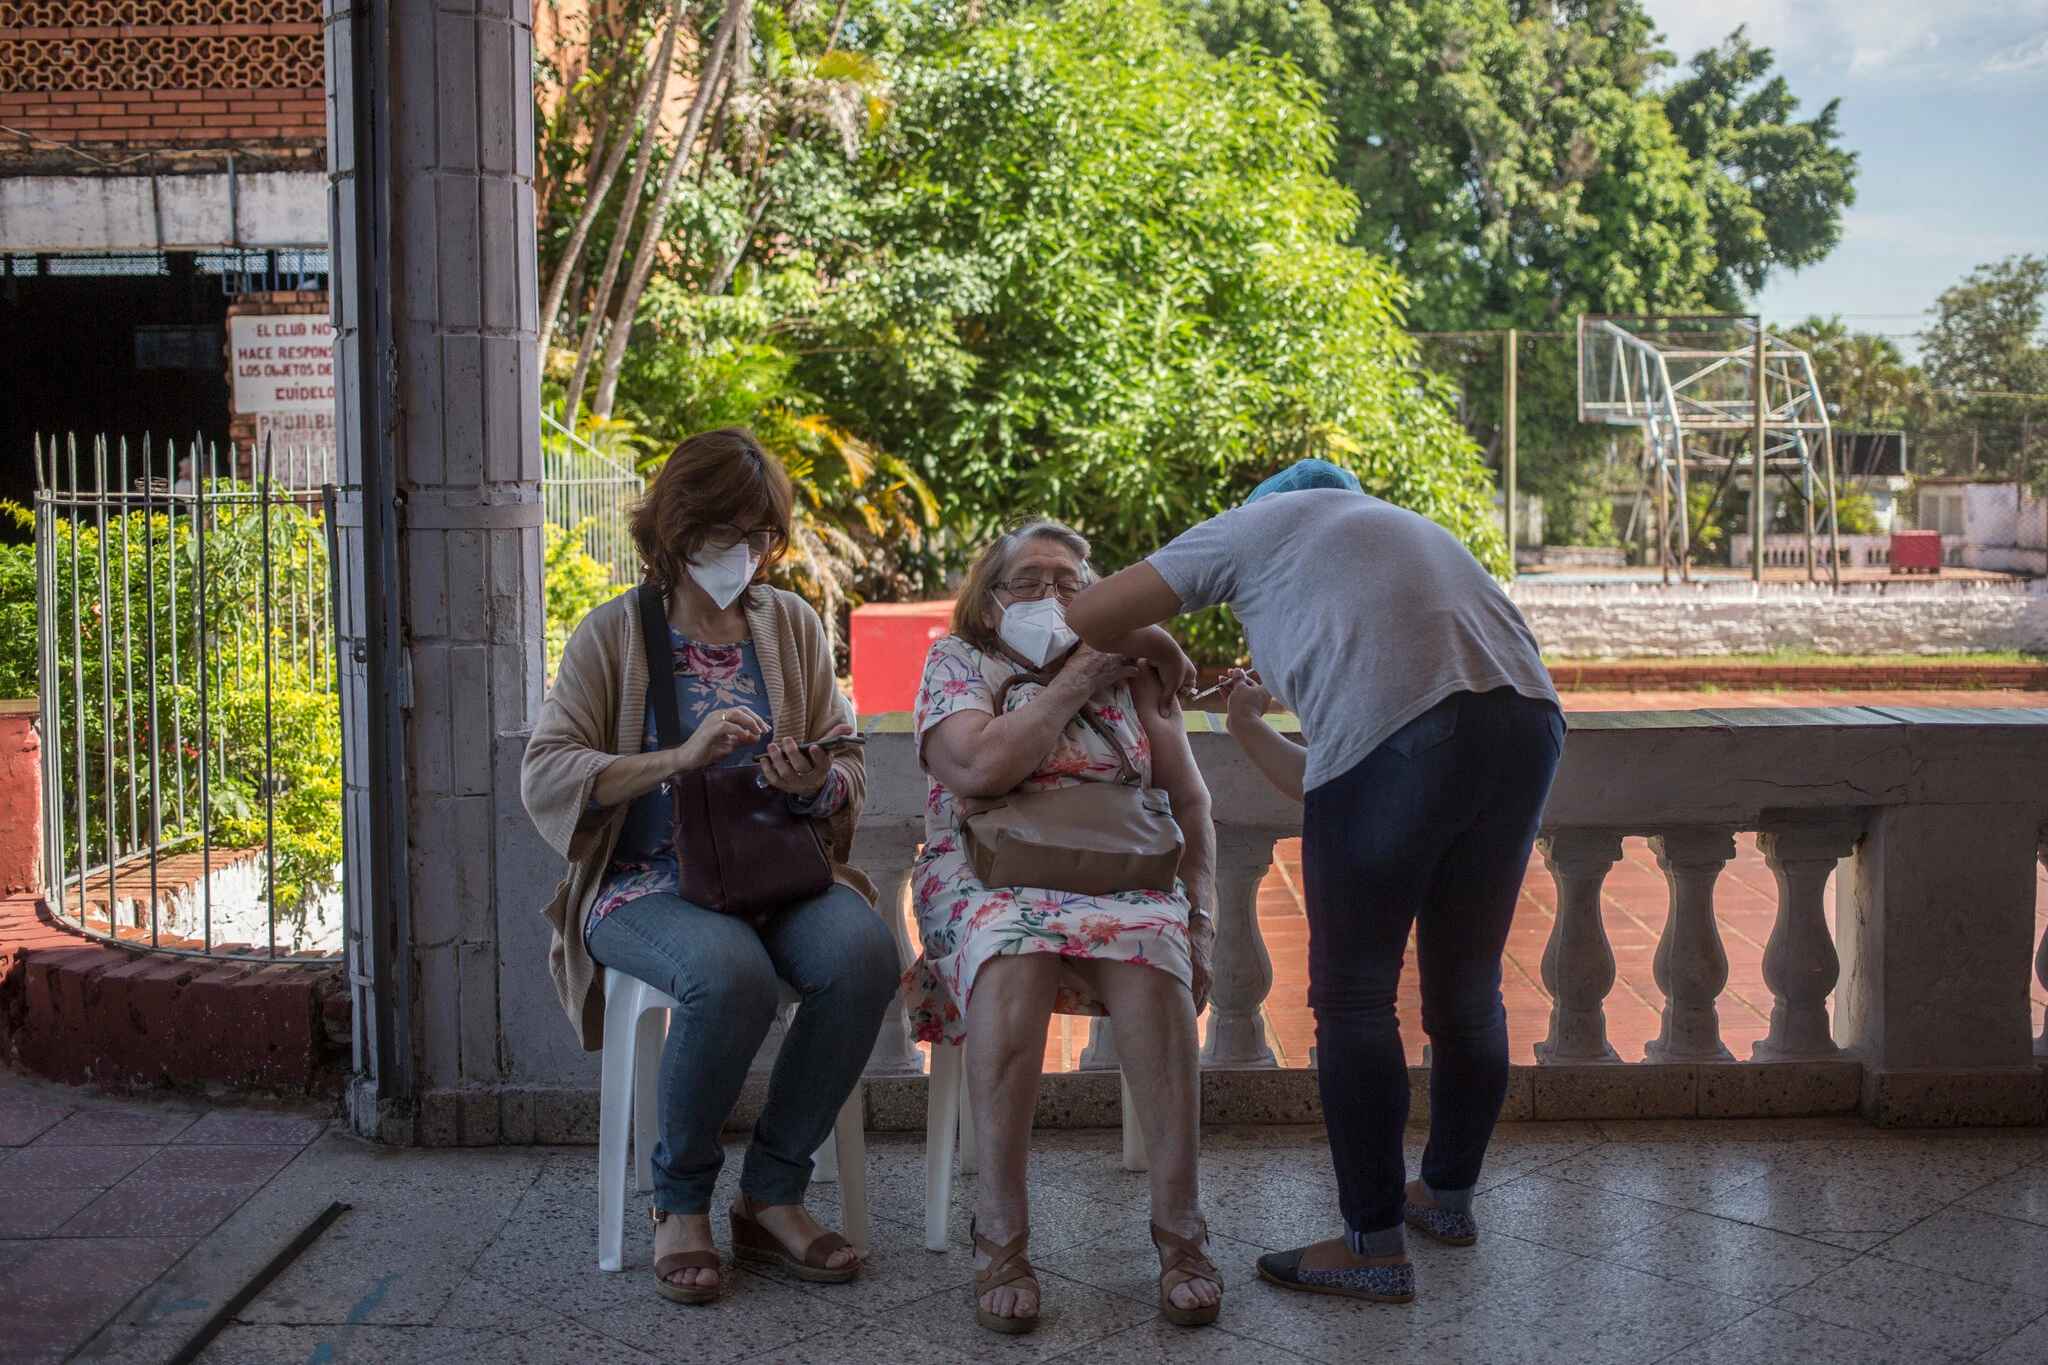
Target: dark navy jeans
[(841, 959), (1431, 830)]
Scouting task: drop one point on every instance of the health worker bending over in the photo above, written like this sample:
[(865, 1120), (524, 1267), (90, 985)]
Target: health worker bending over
[(1432, 733)]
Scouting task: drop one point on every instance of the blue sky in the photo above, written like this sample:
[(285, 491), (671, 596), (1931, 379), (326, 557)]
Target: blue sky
[(1946, 101)]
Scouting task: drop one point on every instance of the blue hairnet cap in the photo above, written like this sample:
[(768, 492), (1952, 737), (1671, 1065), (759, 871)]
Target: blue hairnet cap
[(1307, 474)]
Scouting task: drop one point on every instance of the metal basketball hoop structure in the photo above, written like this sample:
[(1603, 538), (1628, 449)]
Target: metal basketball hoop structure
[(1678, 375)]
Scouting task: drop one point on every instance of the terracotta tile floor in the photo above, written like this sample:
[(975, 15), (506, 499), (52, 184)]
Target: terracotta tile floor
[(110, 1198), (1745, 903)]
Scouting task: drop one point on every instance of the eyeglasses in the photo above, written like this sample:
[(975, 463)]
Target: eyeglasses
[(726, 535), (1035, 589)]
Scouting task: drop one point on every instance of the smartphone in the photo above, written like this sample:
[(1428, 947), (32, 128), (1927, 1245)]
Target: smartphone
[(828, 745)]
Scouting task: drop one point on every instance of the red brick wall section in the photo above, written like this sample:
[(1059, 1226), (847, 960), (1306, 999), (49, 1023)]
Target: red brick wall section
[(86, 1012), (168, 117), (21, 806)]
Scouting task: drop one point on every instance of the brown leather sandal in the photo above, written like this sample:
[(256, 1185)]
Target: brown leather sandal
[(1006, 1266), (751, 1241), (665, 1266), (1181, 1259)]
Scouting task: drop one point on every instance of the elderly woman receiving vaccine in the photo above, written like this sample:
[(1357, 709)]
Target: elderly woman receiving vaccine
[(1013, 709)]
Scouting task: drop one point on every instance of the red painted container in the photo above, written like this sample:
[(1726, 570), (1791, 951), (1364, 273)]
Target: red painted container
[(1916, 552), (889, 643)]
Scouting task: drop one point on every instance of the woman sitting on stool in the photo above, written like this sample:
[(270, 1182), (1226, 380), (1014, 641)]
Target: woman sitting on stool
[(753, 677)]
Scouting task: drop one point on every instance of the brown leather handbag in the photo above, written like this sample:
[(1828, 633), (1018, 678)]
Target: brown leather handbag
[(1092, 838), (740, 849)]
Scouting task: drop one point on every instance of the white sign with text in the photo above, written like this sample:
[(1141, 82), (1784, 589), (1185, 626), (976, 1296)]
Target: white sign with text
[(282, 363)]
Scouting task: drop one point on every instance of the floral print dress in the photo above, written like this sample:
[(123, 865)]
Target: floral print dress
[(963, 923)]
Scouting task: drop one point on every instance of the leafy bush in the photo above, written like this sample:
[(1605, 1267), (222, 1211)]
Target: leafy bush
[(205, 654), (574, 584), (1101, 274)]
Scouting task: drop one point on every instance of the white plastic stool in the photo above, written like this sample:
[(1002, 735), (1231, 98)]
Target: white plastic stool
[(635, 1021), (948, 1114)]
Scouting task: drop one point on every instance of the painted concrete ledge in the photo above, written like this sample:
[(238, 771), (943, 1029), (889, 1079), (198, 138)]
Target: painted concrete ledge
[(84, 1011), (1089, 1099), (1661, 676)]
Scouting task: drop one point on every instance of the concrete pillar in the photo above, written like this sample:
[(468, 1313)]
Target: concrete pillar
[(1935, 924), (431, 150)]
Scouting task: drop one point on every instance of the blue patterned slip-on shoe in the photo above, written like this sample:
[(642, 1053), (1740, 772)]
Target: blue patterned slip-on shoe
[(1379, 1283), (1452, 1229)]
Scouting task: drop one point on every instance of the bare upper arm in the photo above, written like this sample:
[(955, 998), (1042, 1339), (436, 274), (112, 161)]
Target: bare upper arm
[(948, 746), (1123, 602), (1173, 757)]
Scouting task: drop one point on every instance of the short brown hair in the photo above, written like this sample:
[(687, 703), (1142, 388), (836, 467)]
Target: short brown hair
[(993, 565), (713, 477)]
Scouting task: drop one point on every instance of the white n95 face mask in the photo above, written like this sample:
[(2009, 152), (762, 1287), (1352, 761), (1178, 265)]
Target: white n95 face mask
[(1037, 630), (724, 574)]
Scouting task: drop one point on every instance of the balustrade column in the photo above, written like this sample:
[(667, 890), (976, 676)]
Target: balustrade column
[(1800, 965), (1578, 963), (1100, 1054), (886, 853), (1243, 971), (1691, 967)]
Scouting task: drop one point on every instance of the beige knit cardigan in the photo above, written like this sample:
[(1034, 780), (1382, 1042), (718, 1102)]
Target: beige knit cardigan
[(596, 711)]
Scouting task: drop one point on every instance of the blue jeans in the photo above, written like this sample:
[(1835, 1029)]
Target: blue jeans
[(1432, 829), (841, 959)]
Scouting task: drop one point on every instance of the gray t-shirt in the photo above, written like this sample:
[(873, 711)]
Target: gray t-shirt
[(1360, 615)]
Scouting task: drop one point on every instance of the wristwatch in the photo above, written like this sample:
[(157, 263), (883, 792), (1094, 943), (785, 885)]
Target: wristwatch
[(1196, 912)]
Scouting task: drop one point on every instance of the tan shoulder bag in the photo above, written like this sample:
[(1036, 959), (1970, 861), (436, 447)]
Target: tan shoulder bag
[(1092, 838)]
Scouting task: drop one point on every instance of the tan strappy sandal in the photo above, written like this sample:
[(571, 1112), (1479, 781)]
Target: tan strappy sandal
[(1006, 1266), (1181, 1259), (665, 1266), (751, 1241)]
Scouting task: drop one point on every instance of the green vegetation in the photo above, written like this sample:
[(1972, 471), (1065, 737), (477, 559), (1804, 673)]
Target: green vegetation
[(141, 614)]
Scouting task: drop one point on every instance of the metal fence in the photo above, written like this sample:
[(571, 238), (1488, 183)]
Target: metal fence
[(191, 729), (589, 494)]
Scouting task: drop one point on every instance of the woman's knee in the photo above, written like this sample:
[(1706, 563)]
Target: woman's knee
[(869, 970), (737, 987), (849, 959)]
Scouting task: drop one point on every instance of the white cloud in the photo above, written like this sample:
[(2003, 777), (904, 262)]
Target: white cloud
[(1888, 43), (2022, 58)]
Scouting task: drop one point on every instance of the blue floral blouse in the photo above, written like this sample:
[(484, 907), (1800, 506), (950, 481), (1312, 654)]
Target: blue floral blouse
[(707, 678)]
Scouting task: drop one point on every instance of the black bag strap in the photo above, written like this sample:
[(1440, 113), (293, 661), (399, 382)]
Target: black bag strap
[(661, 669)]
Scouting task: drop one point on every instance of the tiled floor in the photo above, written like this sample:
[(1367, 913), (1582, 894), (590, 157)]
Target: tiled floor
[(1684, 1243), (97, 1202)]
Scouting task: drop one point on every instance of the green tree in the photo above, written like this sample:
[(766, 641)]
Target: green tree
[(1863, 378), (1514, 159), (1103, 274), (1986, 334), (1775, 186)]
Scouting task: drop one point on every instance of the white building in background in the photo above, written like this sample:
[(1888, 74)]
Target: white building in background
[(1995, 526)]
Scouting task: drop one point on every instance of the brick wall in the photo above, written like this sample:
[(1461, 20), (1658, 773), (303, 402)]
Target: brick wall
[(168, 117)]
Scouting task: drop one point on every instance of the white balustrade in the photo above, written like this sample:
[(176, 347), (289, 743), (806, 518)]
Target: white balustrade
[(1691, 966), (1243, 971), (1578, 963), (1926, 808), (1800, 963)]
